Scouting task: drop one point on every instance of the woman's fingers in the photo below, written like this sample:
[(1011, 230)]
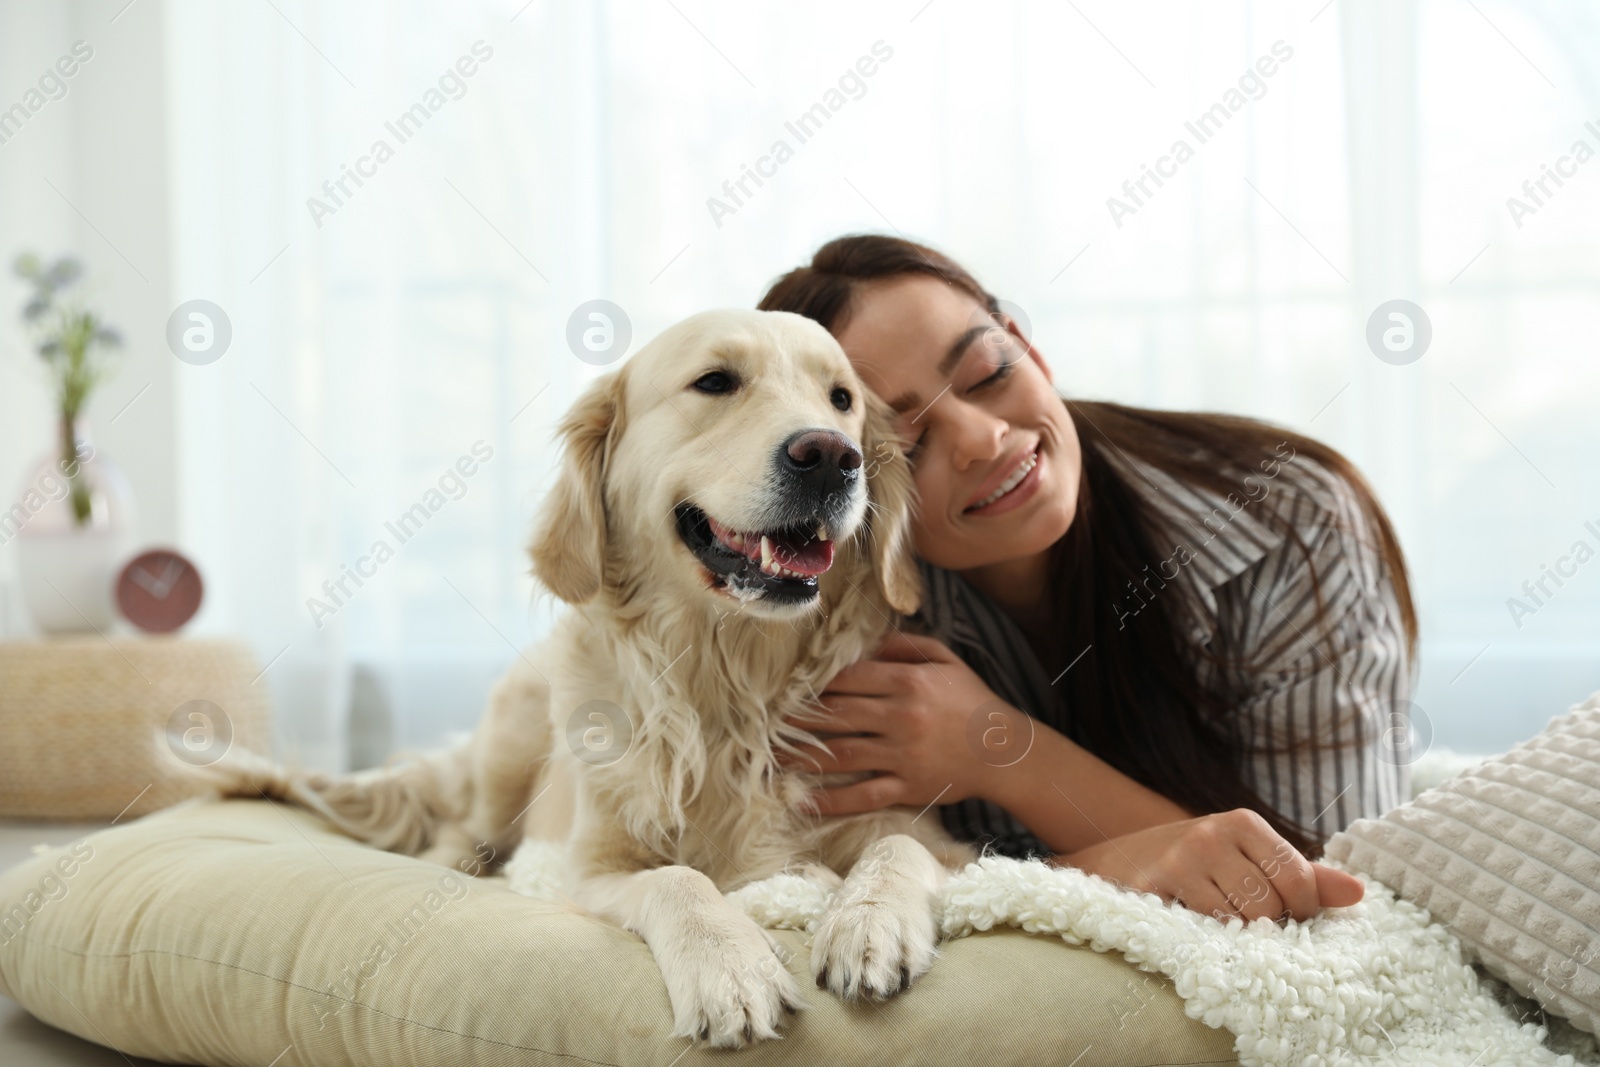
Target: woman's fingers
[(841, 754), (869, 794), (899, 646), (1224, 864), (1203, 896), (1282, 866), (845, 714), (1337, 889), (868, 677), (1249, 892)]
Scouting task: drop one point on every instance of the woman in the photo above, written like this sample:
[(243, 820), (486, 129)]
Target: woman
[(1162, 647)]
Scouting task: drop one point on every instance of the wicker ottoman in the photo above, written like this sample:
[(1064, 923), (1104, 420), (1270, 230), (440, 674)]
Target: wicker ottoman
[(77, 715)]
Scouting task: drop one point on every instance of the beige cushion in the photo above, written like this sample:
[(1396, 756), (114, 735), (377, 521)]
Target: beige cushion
[(1507, 855), (226, 932)]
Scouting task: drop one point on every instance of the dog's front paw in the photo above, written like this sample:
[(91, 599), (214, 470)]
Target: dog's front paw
[(873, 948), (731, 988)]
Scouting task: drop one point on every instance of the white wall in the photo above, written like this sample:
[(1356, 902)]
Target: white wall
[(104, 147)]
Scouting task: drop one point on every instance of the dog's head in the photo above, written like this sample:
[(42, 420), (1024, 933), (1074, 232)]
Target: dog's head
[(731, 457)]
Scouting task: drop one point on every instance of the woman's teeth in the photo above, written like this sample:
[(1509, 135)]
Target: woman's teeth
[(1010, 483)]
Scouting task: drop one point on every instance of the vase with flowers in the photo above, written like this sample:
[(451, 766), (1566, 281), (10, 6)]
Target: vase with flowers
[(73, 517)]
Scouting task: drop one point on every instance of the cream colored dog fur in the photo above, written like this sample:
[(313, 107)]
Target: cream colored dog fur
[(642, 731)]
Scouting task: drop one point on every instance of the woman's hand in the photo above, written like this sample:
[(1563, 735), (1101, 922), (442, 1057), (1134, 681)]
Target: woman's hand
[(1223, 865), (911, 703)]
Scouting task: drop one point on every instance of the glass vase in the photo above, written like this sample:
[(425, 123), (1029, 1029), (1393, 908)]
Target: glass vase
[(72, 520)]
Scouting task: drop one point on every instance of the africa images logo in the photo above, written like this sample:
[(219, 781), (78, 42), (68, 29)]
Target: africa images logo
[(402, 128), (802, 129), (1252, 86), (1567, 166)]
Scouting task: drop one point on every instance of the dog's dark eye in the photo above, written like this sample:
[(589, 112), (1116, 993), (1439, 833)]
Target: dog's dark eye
[(716, 382), (841, 399)]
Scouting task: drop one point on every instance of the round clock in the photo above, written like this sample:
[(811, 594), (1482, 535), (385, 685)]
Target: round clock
[(159, 590)]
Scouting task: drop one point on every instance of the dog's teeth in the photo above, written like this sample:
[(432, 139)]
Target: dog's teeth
[(822, 531), (766, 555)]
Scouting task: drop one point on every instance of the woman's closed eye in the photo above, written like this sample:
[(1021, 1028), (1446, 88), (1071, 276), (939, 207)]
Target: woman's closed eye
[(1008, 358), (1001, 373), (916, 446)]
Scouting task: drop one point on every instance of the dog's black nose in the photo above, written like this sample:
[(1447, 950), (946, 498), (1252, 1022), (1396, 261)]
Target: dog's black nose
[(824, 461)]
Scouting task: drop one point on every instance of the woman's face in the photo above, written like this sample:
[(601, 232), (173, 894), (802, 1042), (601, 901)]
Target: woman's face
[(976, 407)]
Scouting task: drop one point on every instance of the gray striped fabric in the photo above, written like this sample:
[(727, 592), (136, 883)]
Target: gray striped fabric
[(1348, 673)]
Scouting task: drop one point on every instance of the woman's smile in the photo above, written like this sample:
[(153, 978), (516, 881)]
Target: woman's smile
[(1013, 485)]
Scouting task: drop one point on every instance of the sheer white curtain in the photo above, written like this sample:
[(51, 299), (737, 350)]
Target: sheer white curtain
[(1362, 152), (1505, 425)]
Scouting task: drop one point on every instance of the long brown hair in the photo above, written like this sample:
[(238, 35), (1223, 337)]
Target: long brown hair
[(1139, 701)]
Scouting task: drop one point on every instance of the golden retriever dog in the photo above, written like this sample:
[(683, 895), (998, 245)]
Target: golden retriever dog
[(730, 527)]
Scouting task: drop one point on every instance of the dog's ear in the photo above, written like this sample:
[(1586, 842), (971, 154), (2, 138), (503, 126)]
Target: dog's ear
[(894, 496), (569, 538)]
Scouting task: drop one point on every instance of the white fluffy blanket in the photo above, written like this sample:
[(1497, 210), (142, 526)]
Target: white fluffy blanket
[(1376, 983)]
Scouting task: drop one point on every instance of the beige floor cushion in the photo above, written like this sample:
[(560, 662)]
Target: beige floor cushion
[(247, 932)]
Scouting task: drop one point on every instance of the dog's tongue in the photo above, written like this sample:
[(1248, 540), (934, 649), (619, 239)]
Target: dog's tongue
[(809, 556), (799, 552)]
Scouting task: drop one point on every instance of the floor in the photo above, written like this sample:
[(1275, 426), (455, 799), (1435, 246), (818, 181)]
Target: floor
[(24, 1040)]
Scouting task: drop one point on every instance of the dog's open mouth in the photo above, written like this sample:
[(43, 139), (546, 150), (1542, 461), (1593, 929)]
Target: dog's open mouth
[(782, 563)]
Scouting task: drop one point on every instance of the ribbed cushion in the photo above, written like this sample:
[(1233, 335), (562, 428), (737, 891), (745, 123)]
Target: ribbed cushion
[(1507, 855)]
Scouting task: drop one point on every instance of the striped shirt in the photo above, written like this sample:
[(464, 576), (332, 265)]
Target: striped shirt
[(1349, 672)]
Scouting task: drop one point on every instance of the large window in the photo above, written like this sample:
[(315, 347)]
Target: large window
[(1338, 156)]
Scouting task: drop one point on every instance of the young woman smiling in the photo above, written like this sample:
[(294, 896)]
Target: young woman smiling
[(1164, 647)]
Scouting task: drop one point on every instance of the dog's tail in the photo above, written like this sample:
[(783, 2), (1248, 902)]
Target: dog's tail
[(397, 807)]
